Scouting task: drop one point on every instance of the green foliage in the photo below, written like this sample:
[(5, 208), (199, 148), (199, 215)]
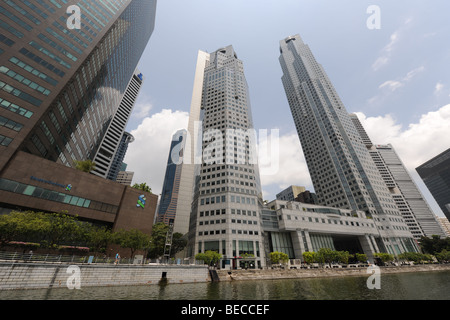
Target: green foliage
[(209, 257), (385, 257), (278, 257), (361, 257), (133, 239), (415, 257), (62, 231), (443, 256), (158, 239), (309, 257), (84, 165), (434, 244), (142, 186)]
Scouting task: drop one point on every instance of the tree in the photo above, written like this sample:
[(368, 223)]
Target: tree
[(84, 165), (98, 238), (443, 256), (209, 257), (385, 257), (158, 239), (361, 257), (178, 243), (133, 239), (309, 257), (142, 186), (278, 257), (434, 244), (327, 255), (343, 256), (61, 228)]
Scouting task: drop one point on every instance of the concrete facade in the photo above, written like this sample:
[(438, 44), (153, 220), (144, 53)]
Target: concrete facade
[(311, 227)]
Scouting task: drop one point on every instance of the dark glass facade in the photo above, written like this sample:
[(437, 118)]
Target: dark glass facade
[(60, 87), (435, 173), (169, 194)]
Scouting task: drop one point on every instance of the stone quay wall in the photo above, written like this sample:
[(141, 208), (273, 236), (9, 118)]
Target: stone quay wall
[(273, 274), (53, 275)]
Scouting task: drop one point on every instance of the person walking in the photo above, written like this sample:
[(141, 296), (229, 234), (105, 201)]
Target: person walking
[(117, 258)]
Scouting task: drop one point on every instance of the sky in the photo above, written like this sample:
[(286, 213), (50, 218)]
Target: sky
[(395, 77)]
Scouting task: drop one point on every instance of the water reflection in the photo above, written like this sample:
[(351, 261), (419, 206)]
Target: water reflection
[(403, 286)]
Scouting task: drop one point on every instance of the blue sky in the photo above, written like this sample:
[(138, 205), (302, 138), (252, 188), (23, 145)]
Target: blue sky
[(397, 77)]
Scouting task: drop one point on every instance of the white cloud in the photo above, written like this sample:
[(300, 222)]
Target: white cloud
[(147, 155), (386, 52), (393, 85), (292, 168), (418, 142), (438, 88)]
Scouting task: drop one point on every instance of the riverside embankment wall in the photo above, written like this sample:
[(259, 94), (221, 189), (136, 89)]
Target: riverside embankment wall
[(271, 274), (51, 275)]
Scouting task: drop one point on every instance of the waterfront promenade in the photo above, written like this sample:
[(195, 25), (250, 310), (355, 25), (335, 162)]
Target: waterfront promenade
[(32, 274)]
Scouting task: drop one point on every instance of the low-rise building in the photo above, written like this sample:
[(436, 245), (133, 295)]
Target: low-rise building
[(293, 228)]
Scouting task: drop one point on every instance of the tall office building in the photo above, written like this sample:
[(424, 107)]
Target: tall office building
[(117, 164), (290, 193), (169, 195), (111, 152), (435, 173), (60, 86), (414, 208), (227, 200), (342, 171), (190, 147)]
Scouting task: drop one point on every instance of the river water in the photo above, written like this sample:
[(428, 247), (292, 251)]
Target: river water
[(401, 286)]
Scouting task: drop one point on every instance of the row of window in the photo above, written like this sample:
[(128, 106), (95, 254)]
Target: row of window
[(223, 199), (217, 212), (223, 231), (31, 84), (15, 108), (33, 71), (38, 192), (10, 124), (5, 141), (20, 94), (42, 62)]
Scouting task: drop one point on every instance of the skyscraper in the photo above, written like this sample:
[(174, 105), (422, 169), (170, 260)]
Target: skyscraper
[(111, 151), (227, 202), (435, 173), (342, 171), (169, 195), (60, 87), (189, 148), (411, 203), (117, 163)]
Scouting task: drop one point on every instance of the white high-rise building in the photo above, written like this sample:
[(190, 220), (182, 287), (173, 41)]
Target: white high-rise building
[(227, 202), (341, 168), (110, 143), (412, 204)]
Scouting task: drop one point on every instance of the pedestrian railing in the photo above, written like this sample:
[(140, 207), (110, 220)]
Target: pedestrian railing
[(20, 257)]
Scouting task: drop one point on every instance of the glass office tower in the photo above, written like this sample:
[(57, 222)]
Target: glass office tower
[(60, 87), (435, 173), (169, 195), (227, 202), (342, 171)]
